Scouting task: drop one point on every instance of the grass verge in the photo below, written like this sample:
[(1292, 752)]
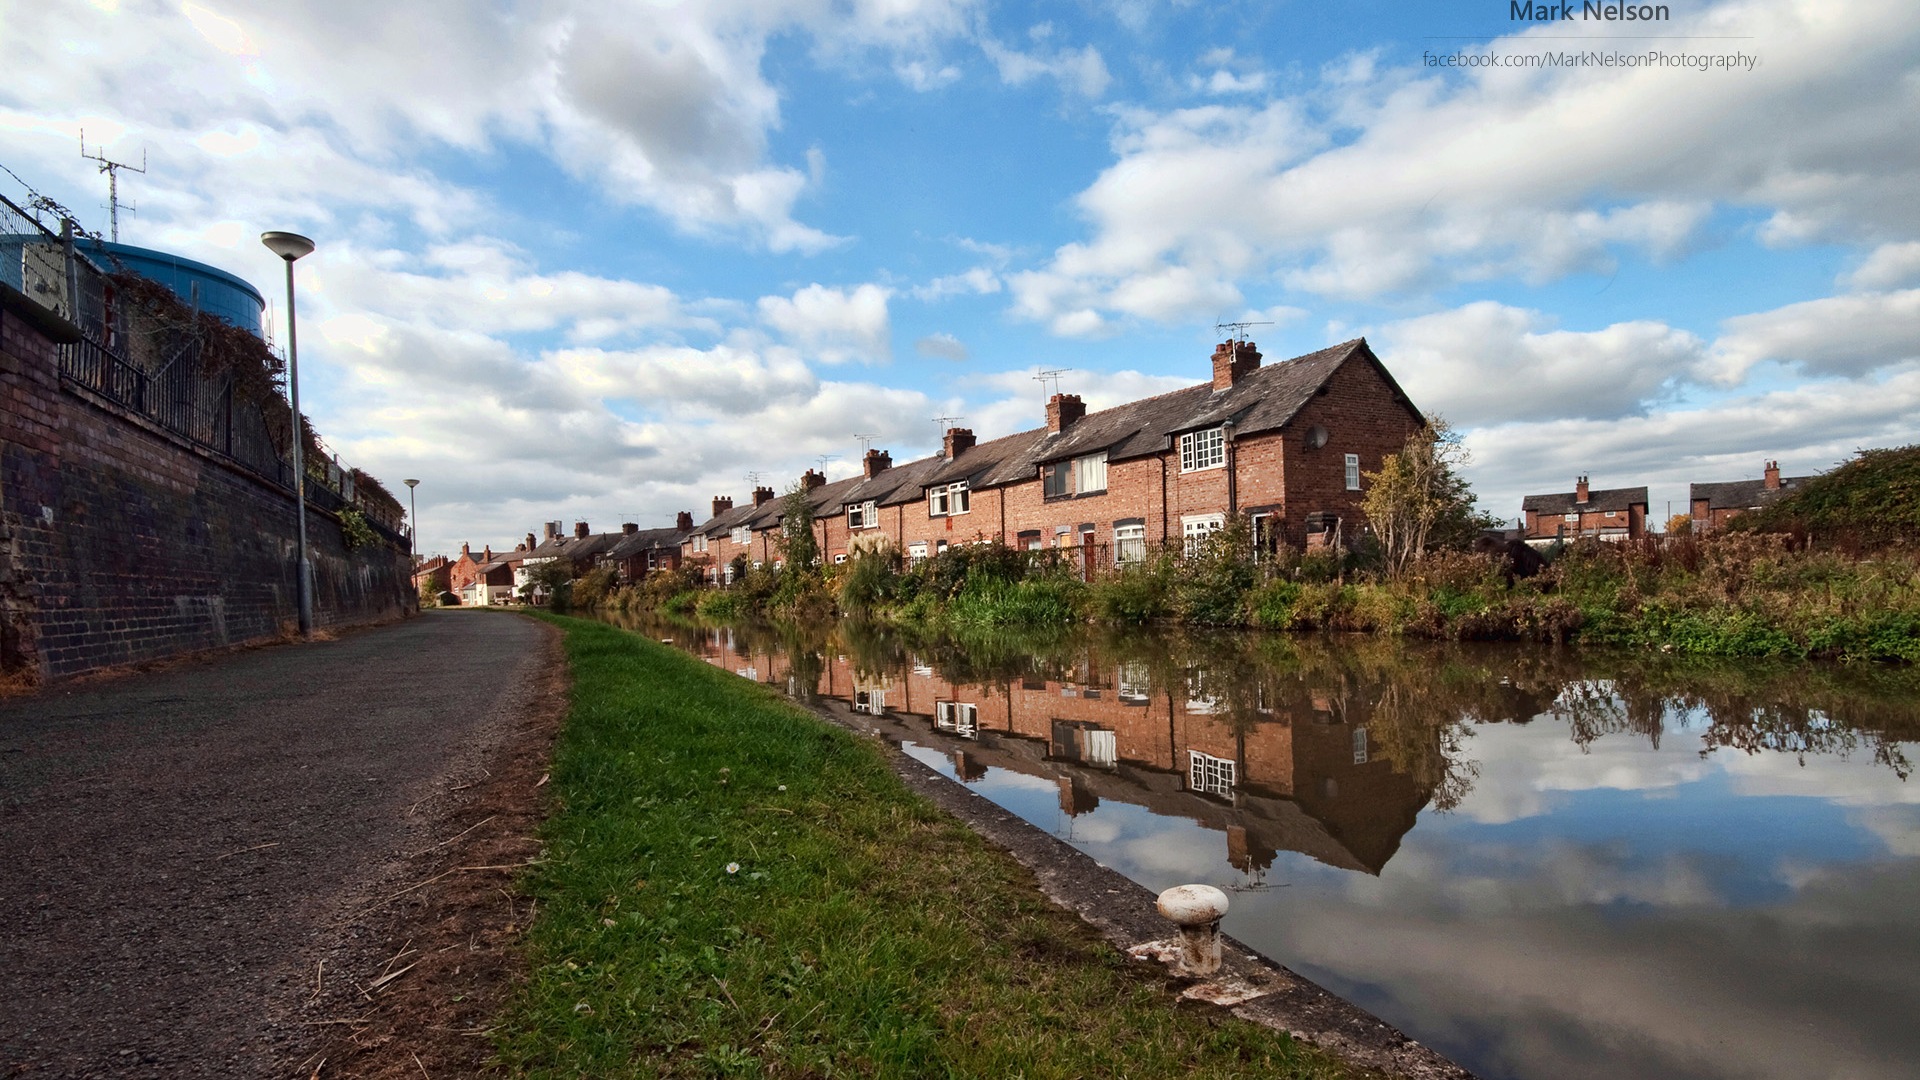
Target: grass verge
[(734, 887)]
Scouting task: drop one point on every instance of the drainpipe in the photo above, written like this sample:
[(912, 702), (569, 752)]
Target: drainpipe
[(1163, 497), (1233, 488)]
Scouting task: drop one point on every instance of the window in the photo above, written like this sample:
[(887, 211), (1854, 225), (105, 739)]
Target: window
[(1129, 544), (1209, 774), (1353, 472), (1203, 450), (1054, 480), (1195, 530), (1090, 473), (1135, 683), (742, 535), (839, 557), (1573, 519), (699, 543), (1266, 536), (958, 717), (864, 515), (948, 499), (916, 554), (1359, 746)]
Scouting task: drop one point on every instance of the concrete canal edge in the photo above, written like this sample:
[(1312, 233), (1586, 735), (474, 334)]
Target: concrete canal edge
[(1249, 985)]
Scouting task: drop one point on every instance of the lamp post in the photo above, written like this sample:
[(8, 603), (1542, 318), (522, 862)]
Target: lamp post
[(413, 515), (291, 246)]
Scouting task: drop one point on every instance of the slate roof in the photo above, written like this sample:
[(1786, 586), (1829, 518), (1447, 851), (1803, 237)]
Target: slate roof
[(1603, 499), (573, 547), (1741, 494), (1262, 400), (636, 543)]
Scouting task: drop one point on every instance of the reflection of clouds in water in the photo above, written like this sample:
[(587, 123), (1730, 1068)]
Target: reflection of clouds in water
[(1177, 853), (1792, 990), (1092, 829), (1452, 876), (1854, 779), (1523, 769), (1897, 826)]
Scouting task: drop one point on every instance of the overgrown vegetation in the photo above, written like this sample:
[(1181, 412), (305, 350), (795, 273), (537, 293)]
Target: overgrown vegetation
[(733, 888), (1818, 574)]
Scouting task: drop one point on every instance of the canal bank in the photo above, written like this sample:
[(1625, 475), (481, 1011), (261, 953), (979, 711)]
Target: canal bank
[(732, 887)]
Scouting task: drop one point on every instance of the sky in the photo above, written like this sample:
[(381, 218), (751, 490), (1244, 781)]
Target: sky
[(604, 261)]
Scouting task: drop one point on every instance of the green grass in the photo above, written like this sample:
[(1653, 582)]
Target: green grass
[(734, 887)]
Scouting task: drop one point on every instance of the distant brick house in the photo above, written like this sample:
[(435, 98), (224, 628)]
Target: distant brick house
[(434, 575), (1284, 445), (639, 552), (1607, 514), (1713, 505)]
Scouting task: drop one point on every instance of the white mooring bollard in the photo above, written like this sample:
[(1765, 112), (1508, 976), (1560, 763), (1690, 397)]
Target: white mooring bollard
[(1197, 910)]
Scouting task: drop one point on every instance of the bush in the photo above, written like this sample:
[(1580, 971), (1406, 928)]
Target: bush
[(1137, 593), (595, 587)]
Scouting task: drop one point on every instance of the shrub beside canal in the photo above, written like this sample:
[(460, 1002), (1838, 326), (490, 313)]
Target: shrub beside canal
[(732, 887)]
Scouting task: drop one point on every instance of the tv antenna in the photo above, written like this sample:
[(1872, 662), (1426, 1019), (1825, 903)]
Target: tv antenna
[(1239, 328), (945, 422), (823, 459), (1051, 375), (866, 441), (754, 477), (112, 169)]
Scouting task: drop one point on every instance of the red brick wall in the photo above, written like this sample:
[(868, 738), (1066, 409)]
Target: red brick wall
[(121, 542)]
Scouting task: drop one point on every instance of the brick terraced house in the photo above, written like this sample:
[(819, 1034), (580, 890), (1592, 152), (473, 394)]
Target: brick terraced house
[(1712, 505), (1609, 514), (1284, 445)]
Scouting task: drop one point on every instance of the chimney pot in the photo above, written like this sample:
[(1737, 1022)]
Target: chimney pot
[(1772, 475), (684, 522), (1232, 360), (722, 504), (762, 496), (812, 479), (959, 440), (876, 462), (1063, 410), (580, 530), (1580, 489)]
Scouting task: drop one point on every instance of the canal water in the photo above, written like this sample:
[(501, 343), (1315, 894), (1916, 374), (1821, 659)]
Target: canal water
[(1543, 863)]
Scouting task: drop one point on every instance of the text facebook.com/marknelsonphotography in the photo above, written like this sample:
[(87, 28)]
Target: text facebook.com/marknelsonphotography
[(1596, 58)]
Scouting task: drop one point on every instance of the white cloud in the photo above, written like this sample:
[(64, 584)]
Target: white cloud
[(941, 346), (977, 281), (1080, 71), (1887, 266), (1836, 335), (1488, 363), (1388, 179), (834, 325)]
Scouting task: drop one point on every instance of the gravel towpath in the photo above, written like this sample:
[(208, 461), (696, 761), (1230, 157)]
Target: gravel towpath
[(177, 848)]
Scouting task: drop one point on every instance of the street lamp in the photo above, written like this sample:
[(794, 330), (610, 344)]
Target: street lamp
[(291, 246), (413, 513)]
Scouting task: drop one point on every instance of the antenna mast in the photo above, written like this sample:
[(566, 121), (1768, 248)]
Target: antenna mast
[(112, 169), (945, 422), (1052, 375), (866, 441)]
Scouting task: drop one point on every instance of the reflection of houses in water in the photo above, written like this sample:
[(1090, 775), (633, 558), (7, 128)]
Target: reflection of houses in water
[(1284, 770)]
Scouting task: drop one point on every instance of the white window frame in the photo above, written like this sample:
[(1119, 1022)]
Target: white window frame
[(960, 498), (959, 717), (1353, 472), (1129, 544), (1359, 746), (1205, 449), (938, 503), (1195, 528), (1211, 775), (742, 535), (700, 543), (1573, 517), (916, 554), (864, 515), (1090, 473), (1134, 683)]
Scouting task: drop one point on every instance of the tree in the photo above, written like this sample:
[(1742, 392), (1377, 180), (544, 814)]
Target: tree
[(798, 546), (1680, 525), (552, 578), (1418, 501)]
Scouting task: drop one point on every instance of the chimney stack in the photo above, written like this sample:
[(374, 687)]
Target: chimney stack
[(812, 479), (553, 530), (876, 462), (684, 522), (580, 530), (959, 440), (628, 528), (1772, 475), (487, 555), (722, 504), (1232, 360), (531, 542), (1063, 410), (1580, 490), (466, 551), (762, 496)]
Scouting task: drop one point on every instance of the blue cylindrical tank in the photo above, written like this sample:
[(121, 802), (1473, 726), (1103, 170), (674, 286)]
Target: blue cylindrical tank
[(212, 289)]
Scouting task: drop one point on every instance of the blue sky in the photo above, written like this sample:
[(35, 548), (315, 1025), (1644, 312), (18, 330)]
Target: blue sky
[(601, 261)]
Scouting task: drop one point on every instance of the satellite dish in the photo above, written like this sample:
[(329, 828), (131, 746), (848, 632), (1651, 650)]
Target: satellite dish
[(1316, 437)]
